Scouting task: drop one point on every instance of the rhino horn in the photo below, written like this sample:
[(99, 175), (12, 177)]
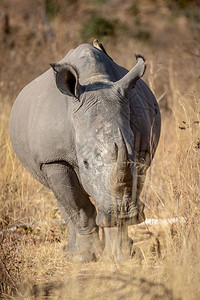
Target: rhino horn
[(127, 82), (121, 172), (122, 155), (125, 173)]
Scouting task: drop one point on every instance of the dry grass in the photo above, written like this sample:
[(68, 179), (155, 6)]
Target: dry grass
[(32, 263)]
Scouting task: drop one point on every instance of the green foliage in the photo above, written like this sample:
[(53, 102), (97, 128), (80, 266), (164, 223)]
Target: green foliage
[(193, 15), (137, 21), (52, 8), (187, 8), (98, 27), (134, 9), (182, 4), (71, 2), (99, 1), (143, 34), (139, 31)]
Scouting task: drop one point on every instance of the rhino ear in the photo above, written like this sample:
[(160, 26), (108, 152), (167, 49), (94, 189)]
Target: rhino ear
[(127, 82), (67, 79)]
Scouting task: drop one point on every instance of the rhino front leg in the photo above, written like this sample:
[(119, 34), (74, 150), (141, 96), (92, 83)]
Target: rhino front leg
[(118, 245), (76, 209)]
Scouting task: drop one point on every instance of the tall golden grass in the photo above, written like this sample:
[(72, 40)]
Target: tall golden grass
[(32, 263)]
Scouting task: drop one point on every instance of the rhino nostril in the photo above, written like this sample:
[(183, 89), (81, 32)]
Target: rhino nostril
[(85, 162), (114, 152)]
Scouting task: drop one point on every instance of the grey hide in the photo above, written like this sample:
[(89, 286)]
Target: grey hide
[(88, 129)]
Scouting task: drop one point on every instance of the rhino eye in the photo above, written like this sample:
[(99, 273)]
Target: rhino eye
[(86, 164)]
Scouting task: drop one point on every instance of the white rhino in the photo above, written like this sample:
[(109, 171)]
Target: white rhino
[(88, 129)]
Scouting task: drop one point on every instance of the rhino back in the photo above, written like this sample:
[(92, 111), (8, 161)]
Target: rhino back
[(145, 118)]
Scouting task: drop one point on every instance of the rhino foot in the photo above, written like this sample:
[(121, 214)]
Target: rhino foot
[(86, 249), (122, 253), (84, 258), (118, 252), (118, 245)]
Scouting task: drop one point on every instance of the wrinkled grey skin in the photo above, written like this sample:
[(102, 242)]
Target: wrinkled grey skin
[(89, 128)]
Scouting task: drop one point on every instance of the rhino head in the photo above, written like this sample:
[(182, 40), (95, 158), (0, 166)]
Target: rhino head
[(104, 142)]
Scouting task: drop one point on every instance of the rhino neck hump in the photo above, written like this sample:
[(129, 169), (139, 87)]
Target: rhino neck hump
[(90, 78), (92, 64)]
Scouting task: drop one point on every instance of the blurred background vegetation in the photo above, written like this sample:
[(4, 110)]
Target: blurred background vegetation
[(37, 32)]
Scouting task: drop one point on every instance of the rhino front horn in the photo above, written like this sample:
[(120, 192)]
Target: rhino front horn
[(121, 172), (122, 157)]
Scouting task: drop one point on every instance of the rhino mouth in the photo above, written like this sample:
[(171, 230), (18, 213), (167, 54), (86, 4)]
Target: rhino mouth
[(134, 215)]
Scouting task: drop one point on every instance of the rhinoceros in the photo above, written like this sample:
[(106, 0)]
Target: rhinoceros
[(88, 129)]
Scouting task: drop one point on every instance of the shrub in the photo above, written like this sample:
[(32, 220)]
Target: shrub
[(187, 8), (52, 8), (99, 27), (134, 9), (143, 34), (99, 1)]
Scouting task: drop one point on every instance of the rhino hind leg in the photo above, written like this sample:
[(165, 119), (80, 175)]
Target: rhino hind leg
[(77, 210)]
